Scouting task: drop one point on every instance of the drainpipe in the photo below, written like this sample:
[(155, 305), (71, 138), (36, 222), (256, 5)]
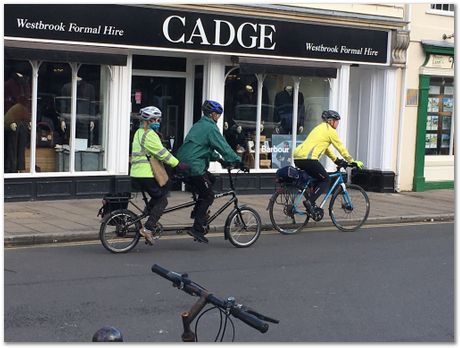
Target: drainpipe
[(402, 110)]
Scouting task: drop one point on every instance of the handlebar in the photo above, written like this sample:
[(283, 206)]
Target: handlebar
[(245, 314), (234, 165), (346, 165)]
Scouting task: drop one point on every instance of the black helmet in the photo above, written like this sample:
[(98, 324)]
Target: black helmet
[(210, 106), (108, 334), (330, 114)]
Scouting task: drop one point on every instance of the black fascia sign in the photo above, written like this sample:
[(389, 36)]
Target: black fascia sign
[(175, 29)]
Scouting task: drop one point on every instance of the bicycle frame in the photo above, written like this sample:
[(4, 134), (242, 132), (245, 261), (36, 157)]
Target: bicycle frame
[(233, 200), (338, 181)]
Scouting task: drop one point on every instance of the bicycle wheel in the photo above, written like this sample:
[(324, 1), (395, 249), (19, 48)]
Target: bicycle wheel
[(117, 233), (349, 209), (243, 229), (286, 210)]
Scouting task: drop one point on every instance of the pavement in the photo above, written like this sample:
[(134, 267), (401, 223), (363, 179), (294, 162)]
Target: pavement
[(57, 221)]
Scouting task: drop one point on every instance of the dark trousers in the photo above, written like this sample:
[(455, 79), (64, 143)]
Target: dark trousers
[(15, 146), (202, 185), (158, 200), (316, 170)]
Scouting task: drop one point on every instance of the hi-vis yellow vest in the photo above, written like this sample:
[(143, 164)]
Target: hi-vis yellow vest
[(318, 142), (148, 142)]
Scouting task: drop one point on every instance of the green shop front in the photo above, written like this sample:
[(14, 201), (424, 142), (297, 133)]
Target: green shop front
[(434, 160)]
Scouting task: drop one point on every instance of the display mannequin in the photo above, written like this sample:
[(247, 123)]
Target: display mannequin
[(284, 101), (86, 95), (17, 118)]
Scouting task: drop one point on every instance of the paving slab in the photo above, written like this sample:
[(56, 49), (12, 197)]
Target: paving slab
[(76, 219)]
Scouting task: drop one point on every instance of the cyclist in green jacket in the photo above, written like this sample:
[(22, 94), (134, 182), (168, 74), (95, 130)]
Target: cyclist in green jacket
[(307, 154), (204, 143), (147, 142)]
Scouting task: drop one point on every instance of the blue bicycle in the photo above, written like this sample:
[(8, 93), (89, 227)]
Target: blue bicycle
[(348, 207)]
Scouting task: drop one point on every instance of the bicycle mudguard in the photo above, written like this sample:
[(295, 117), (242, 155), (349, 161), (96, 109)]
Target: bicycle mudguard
[(227, 221)]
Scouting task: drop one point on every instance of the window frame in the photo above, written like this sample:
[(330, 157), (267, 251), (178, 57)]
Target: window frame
[(35, 65), (260, 78), (434, 11)]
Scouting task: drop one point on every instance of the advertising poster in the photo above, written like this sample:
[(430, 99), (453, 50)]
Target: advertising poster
[(431, 141), (433, 104), (446, 121), (282, 149), (447, 104), (445, 140), (432, 123)]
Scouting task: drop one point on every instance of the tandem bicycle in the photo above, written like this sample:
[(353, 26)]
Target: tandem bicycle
[(120, 229)]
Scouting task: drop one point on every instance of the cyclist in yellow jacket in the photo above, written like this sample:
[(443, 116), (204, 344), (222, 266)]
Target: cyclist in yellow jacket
[(147, 142), (307, 154)]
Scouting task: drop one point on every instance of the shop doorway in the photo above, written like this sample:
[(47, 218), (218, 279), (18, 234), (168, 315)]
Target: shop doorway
[(166, 93)]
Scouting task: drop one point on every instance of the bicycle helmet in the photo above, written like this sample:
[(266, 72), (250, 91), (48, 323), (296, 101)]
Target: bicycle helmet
[(108, 334), (330, 115), (150, 112), (210, 106)]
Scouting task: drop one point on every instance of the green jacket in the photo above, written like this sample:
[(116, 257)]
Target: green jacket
[(200, 146), (148, 142)]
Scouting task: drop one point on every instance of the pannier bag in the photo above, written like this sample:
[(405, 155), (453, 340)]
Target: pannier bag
[(288, 174), (292, 175), (114, 201)]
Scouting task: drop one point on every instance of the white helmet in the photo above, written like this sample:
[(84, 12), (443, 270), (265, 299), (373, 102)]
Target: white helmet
[(150, 112)]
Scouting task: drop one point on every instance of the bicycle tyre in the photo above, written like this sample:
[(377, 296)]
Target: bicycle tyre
[(117, 238), (234, 227), (344, 218), (280, 209)]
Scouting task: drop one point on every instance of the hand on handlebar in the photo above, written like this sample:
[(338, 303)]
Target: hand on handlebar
[(341, 163), (358, 164), (233, 165)]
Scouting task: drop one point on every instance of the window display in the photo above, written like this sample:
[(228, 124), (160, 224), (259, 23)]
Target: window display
[(439, 130), (240, 115), (53, 115), (52, 125), (17, 115)]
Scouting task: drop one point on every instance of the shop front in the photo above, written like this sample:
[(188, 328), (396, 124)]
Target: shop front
[(434, 160), (77, 75)]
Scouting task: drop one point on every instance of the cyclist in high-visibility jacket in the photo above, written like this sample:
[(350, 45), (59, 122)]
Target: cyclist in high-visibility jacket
[(147, 142), (203, 144), (307, 154)]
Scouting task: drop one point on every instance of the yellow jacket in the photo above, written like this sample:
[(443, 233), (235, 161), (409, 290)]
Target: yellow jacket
[(318, 142), (148, 142)]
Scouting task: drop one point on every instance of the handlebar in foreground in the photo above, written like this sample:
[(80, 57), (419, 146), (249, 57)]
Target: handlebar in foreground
[(247, 315)]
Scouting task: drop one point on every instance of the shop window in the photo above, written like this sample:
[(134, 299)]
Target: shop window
[(277, 133), (439, 126), (91, 116), (54, 118), (17, 116), (277, 111), (240, 114)]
